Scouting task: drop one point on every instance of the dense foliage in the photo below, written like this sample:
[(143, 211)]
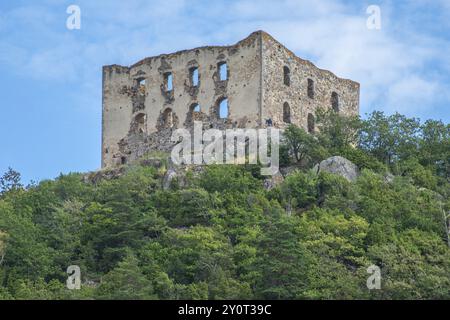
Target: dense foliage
[(224, 236)]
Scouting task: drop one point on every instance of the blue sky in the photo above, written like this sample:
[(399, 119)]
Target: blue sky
[(50, 81)]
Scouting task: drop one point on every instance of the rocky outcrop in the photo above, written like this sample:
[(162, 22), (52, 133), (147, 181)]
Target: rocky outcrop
[(273, 181), (389, 178), (170, 175), (104, 174), (340, 166)]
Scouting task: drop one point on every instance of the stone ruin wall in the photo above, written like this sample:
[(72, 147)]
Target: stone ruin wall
[(276, 93), (133, 114)]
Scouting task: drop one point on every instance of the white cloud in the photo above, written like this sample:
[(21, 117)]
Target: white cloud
[(412, 95), (392, 64), (12, 55)]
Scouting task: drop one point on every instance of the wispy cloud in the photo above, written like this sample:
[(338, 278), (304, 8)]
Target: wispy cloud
[(400, 67)]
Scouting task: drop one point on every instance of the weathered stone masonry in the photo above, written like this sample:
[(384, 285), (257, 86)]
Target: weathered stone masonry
[(255, 83)]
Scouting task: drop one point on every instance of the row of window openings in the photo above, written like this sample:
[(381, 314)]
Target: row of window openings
[(193, 74), (195, 108), (168, 115), (222, 110), (223, 113), (287, 82), (310, 89), (287, 117)]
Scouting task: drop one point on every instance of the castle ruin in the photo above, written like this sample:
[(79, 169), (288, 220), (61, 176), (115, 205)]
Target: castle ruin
[(255, 83)]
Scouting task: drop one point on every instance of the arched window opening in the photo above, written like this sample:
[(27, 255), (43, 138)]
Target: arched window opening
[(140, 122), (286, 113), (194, 112), (140, 85), (335, 101), (168, 81), (195, 108), (311, 123), (310, 88), (123, 160), (140, 82), (193, 72), (223, 71), (223, 108), (168, 118), (287, 76)]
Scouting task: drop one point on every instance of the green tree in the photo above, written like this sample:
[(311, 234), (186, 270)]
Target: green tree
[(126, 282), (10, 181), (435, 147), (337, 131), (302, 146), (390, 138), (282, 260), (299, 191)]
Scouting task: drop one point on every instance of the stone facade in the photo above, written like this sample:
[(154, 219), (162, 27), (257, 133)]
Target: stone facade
[(253, 84)]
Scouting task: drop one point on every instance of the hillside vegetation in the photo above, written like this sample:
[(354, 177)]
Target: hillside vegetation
[(224, 236)]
